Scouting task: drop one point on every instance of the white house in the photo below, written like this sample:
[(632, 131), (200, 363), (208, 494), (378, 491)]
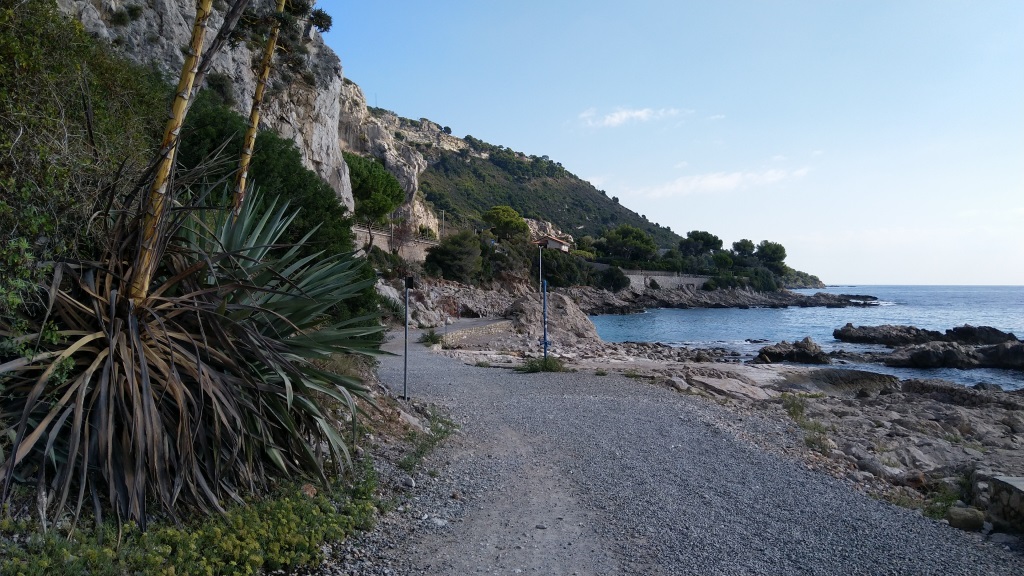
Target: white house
[(552, 243)]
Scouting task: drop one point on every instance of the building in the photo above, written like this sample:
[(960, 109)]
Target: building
[(552, 243)]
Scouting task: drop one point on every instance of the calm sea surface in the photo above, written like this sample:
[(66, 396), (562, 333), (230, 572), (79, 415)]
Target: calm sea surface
[(746, 331)]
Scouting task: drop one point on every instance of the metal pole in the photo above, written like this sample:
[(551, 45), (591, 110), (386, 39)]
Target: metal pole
[(405, 370), (544, 290), (540, 268)]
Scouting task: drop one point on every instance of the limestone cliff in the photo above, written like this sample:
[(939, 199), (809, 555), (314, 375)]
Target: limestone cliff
[(320, 110)]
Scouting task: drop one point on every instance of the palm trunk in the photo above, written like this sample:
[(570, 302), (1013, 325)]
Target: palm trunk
[(254, 115), (157, 202)]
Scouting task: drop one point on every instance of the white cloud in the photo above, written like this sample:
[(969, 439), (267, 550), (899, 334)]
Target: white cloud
[(621, 116), (717, 117), (681, 164), (719, 182), (817, 153), (779, 158)]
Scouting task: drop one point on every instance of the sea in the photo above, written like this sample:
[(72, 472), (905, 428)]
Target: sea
[(746, 331)]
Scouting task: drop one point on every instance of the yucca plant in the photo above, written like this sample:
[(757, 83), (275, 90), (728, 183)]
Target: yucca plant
[(205, 391)]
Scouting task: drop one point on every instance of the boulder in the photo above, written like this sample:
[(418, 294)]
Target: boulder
[(803, 352), (969, 519), (567, 324)]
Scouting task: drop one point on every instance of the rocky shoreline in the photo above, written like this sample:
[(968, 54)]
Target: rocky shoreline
[(928, 444), (438, 302)]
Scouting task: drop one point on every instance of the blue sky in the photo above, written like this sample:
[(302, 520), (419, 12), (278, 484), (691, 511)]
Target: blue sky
[(881, 142)]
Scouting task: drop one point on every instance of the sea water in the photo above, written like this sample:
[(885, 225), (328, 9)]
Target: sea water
[(746, 331)]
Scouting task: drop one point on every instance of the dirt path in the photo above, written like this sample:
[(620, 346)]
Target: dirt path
[(580, 474)]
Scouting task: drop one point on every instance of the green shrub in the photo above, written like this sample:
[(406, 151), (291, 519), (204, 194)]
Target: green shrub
[(424, 443), (549, 364), (430, 338), (613, 279), (457, 258), (57, 154)]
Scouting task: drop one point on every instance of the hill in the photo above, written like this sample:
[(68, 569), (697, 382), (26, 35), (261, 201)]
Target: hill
[(467, 182)]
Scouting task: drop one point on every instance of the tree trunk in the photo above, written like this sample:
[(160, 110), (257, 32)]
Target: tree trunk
[(223, 36), (254, 115), (156, 204)]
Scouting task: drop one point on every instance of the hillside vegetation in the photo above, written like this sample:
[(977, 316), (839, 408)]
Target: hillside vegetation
[(467, 184)]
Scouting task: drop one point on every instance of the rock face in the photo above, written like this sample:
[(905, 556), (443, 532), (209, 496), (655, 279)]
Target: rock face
[(305, 109), (567, 324), (323, 112)]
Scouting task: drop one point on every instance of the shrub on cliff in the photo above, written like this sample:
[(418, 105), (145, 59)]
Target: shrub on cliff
[(74, 120), (276, 170), (456, 258)]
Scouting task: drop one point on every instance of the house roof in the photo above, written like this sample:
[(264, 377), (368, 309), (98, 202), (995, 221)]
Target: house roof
[(548, 237)]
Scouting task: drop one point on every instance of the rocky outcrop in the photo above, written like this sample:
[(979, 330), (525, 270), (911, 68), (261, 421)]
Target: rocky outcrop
[(306, 108), (893, 336), (802, 352), (628, 301), (567, 325), (540, 228), (963, 347), (887, 335)]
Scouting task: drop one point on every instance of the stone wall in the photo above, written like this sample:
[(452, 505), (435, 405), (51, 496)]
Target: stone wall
[(641, 280), (500, 327), (1006, 507), (414, 250)]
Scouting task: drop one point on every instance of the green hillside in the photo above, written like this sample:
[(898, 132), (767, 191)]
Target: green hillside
[(465, 185)]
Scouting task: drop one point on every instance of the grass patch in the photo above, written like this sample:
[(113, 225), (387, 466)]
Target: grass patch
[(424, 443), (429, 338), (549, 364), (600, 372), (482, 364), (815, 433)]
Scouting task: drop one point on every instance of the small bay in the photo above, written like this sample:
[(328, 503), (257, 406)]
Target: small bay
[(746, 331)]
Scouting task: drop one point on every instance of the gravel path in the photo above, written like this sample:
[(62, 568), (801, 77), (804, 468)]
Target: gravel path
[(574, 473)]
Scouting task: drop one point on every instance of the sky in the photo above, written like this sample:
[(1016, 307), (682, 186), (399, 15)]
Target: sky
[(880, 142)]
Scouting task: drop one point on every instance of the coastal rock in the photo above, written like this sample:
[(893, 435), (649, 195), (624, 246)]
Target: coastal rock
[(886, 334), (893, 336), (979, 335), (567, 324), (840, 382), (803, 352), (1008, 355), (636, 299), (934, 355)]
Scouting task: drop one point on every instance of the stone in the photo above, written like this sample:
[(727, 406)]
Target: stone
[(803, 352), (969, 519)]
